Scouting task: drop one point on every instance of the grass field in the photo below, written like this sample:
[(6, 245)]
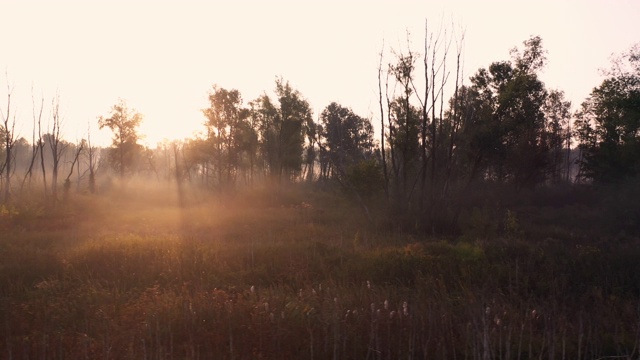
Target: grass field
[(301, 275)]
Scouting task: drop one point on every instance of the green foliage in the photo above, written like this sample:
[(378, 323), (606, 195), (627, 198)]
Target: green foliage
[(608, 124), (282, 129), (482, 225), (7, 211), (24, 215), (404, 133), (365, 177), (621, 208), (345, 138), (511, 226), (507, 128)]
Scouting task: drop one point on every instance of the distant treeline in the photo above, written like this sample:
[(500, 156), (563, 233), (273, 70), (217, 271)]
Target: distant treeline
[(440, 137)]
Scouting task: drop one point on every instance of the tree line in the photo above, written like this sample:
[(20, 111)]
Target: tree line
[(441, 135)]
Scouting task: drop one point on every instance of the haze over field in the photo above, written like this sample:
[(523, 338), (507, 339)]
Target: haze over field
[(337, 204), (163, 57)]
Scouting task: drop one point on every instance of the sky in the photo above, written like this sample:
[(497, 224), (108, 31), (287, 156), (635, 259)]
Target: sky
[(163, 57)]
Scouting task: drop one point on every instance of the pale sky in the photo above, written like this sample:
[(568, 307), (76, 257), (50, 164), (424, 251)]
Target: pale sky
[(163, 57)]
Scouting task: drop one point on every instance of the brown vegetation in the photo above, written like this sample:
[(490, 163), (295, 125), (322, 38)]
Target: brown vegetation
[(302, 274)]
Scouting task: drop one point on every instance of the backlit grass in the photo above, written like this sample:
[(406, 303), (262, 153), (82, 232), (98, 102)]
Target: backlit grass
[(139, 277)]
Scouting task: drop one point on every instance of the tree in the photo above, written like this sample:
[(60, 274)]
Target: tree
[(346, 137), (508, 123), (400, 155), (310, 129), (608, 123), (34, 143), (418, 141), (93, 158), (282, 130), (56, 145), (404, 127), (346, 144), (558, 135), (7, 131), (197, 154), (67, 181), (478, 139), (247, 142), (125, 148), (227, 130), (417, 135), (41, 144)]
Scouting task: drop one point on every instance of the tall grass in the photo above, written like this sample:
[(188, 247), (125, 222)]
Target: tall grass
[(142, 278)]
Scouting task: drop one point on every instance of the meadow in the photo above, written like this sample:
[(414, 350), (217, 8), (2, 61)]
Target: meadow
[(300, 274)]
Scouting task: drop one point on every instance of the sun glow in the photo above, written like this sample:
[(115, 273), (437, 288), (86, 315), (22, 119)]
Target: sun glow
[(164, 60)]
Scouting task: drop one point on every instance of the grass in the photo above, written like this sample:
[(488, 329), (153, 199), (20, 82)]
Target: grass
[(139, 277)]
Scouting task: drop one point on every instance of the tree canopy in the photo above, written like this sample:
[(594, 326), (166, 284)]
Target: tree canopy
[(608, 123), (124, 123), (438, 136)]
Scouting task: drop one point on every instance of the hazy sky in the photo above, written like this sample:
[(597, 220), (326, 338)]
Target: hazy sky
[(163, 57)]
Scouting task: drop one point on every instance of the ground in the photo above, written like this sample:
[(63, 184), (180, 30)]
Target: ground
[(299, 274)]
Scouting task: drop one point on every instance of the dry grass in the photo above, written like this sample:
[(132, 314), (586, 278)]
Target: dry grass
[(134, 275)]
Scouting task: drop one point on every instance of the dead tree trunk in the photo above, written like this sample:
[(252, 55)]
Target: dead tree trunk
[(56, 146), (91, 153), (8, 127), (67, 181), (34, 144), (382, 135)]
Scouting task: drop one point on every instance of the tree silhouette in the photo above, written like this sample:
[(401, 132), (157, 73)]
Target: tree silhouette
[(56, 144), (228, 132), (282, 129), (508, 124), (346, 137), (608, 123), (124, 123), (7, 132)]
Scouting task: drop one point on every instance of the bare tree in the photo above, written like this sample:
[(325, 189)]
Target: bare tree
[(67, 182), (420, 139), (34, 144), (454, 112), (56, 145), (41, 151), (8, 138), (92, 155), (382, 132)]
